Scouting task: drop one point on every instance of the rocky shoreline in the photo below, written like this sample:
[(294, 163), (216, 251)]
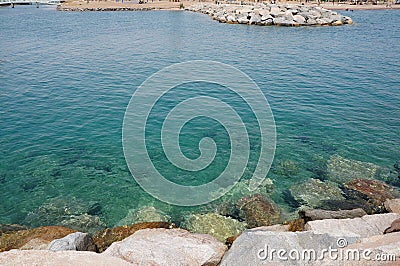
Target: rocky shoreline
[(272, 14), (347, 199), (161, 243)]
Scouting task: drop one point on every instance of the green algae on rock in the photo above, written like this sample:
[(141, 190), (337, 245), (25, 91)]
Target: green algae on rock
[(313, 192), (342, 170), (144, 214), (218, 226)]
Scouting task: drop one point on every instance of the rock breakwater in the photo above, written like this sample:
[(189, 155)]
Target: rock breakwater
[(272, 14)]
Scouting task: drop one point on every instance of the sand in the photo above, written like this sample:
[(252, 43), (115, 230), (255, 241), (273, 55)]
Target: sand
[(167, 5)]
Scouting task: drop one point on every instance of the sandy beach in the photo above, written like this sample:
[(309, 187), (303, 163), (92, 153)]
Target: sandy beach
[(131, 5), (169, 5)]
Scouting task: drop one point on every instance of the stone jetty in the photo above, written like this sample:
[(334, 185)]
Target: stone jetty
[(271, 14)]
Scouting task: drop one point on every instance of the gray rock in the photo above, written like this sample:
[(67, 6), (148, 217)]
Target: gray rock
[(252, 246), (168, 247), (263, 12), (267, 17), (282, 21), (313, 215), (231, 18), (267, 22), (314, 192), (255, 19), (289, 15), (366, 226), (284, 14), (299, 19), (311, 22), (76, 241), (347, 20), (392, 205), (323, 21), (243, 20), (274, 10)]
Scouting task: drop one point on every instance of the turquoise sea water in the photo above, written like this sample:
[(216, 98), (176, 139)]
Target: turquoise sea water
[(66, 79)]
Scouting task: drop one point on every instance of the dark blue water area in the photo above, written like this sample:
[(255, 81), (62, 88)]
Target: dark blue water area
[(66, 79)]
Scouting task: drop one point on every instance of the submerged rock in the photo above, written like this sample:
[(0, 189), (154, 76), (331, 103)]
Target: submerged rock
[(168, 247), (144, 214), (43, 235), (5, 228), (84, 222), (287, 168), (69, 212), (108, 236), (314, 192), (226, 205), (258, 210), (377, 191), (76, 241), (342, 170), (218, 226)]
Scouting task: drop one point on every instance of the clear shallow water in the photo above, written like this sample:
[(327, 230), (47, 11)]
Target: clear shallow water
[(66, 79)]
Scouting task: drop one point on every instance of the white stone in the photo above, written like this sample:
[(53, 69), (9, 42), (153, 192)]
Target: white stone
[(168, 247), (76, 241), (249, 248), (60, 258), (366, 226)]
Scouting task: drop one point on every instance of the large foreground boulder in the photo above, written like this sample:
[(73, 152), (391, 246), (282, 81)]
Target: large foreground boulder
[(168, 247), (254, 247), (388, 245), (60, 258), (105, 238)]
